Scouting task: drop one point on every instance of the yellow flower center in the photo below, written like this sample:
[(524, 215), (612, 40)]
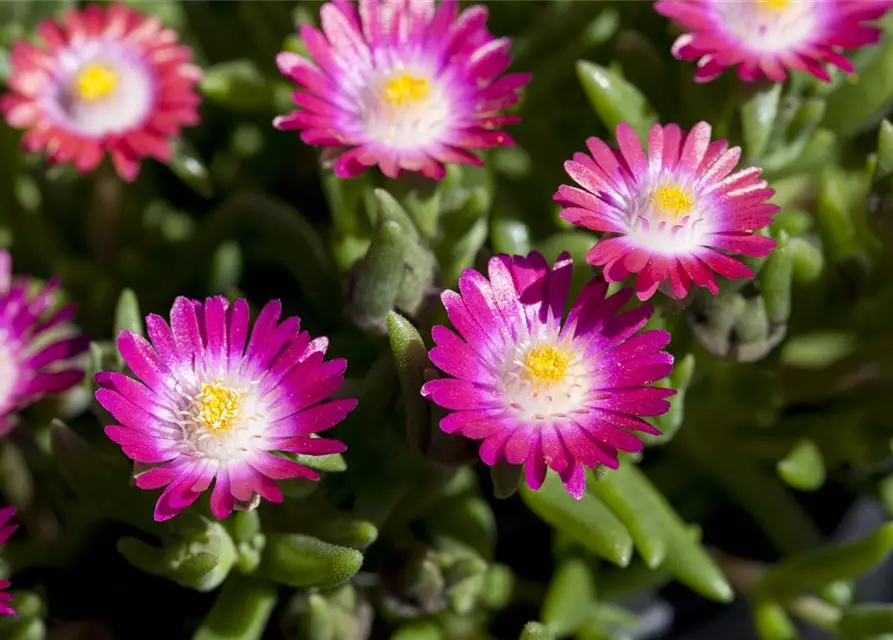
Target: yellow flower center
[(95, 81), (406, 88), (547, 364), (218, 407), (674, 201), (773, 5)]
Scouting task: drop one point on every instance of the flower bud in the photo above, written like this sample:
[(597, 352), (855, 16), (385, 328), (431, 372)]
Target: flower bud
[(413, 584)]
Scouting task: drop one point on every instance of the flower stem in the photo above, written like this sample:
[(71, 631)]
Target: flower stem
[(105, 215)]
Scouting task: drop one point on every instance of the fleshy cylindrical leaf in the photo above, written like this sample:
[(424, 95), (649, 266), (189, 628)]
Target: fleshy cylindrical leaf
[(803, 468), (241, 612), (775, 281), (757, 120), (588, 520), (378, 279), (569, 598), (297, 560), (536, 631), (772, 622), (411, 358), (847, 561), (614, 99)]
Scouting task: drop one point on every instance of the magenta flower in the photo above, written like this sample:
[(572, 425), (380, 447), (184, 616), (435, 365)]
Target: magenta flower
[(407, 86), (6, 530), (35, 360), (541, 389), (209, 408), (104, 80), (670, 214), (768, 37)]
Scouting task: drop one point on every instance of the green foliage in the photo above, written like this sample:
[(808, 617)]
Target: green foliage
[(782, 381)]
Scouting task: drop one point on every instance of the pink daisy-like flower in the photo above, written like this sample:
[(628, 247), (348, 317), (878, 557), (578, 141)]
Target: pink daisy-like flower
[(6, 530), (670, 214), (407, 86), (207, 407), (542, 389), (768, 37), (104, 80), (33, 362)]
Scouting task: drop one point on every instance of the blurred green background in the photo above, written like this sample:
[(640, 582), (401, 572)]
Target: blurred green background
[(782, 424)]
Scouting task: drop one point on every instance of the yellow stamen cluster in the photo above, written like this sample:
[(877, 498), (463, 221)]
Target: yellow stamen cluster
[(94, 82), (774, 5), (217, 407), (406, 88), (547, 364), (674, 201)]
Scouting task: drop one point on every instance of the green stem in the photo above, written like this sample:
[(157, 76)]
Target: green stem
[(105, 215)]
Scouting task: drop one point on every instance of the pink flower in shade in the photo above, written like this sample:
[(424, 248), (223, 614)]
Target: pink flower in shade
[(539, 388), (407, 86), (206, 407), (35, 357), (104, 80), (669, 215), (768, 37), (6, 530)]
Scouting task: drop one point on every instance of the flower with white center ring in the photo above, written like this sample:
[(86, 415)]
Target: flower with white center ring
[(104, 80), (670, 215), (407, 86), (765, 38), (37, 350), (207, 407), (540, 388)]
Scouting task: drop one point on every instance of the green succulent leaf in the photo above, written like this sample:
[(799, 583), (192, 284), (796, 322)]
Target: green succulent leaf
[(815, 569), (241, 612), (588, 520), (298, 560), (127, 314), (190, 168), (772, 622), (858, 105), (803, 468), (411, 358), (238, 84), (570, 597), (536, 631), (758, 119), (614, 99), (866, 621)]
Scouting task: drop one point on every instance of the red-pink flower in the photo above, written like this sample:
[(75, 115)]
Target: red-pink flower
[(540, 387), (215, 403), (6, 530), (671, 215), (408, 86), (33, 361), (103, 80), (768, 37)]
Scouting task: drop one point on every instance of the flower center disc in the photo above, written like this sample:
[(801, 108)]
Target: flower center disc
[(547, 364), (773, 6), (406, 89), (7, 372), (673, 201), (95, 81), (217, 408)]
